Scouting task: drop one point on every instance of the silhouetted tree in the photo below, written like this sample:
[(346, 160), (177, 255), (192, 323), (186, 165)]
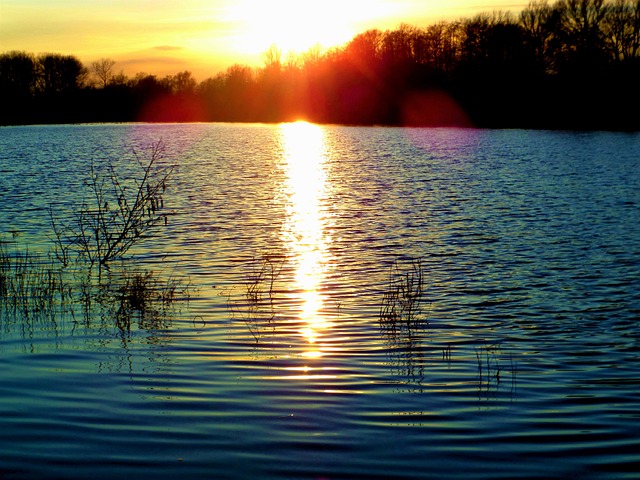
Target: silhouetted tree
[(60, 73), (571, 64), (493, 44), (582, 36), (18, 74), (18, 80), (181, 83), (621, 27), (541, 24), (103, 70), (397, 45), (273, 58)]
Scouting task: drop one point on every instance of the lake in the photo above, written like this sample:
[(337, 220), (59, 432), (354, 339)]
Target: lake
[(519, 358)]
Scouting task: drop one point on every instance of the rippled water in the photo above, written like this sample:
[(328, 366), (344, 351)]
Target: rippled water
[(524, 361)]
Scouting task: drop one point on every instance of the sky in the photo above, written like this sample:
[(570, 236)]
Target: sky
[(164, 37)]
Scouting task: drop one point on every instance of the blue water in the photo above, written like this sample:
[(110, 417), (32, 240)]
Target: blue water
[(524, 360)]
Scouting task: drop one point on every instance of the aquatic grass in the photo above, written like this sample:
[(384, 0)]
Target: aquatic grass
[(492, 368), (401, 305), (143, 295), (35, 287), (31, 285), (446, 353), (400, 320), (262, 277), (5, 271), (257, 309)]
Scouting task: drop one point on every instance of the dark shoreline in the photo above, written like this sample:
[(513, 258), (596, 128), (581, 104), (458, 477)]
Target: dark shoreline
[(571, 65)]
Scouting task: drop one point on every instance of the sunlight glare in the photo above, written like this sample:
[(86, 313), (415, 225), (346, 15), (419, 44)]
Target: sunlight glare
[(295, 26), (303, 148)]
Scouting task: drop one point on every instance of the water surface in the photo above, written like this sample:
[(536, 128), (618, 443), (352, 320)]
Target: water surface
[(525, 362)]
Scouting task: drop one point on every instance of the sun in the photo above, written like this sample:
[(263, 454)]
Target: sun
[(296, 26)]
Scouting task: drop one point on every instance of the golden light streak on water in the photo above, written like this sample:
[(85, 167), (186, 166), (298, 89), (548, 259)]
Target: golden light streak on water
[(306, 184)]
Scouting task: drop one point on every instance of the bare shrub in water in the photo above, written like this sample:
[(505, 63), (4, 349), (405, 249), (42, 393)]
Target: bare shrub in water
[(117, 214)]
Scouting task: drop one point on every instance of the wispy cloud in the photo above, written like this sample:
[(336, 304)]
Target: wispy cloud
[(167, 48)]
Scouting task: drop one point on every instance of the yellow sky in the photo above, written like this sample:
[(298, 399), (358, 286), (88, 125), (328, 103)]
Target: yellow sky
[(206, 36)]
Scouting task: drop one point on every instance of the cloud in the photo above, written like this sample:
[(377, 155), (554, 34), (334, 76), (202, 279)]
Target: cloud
[(167, 48)]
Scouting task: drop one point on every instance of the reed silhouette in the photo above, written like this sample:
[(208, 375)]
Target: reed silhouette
[(401, 306), (256, 306)]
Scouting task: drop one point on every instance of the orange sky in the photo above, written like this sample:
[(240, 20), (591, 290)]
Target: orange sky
[(206, 36)]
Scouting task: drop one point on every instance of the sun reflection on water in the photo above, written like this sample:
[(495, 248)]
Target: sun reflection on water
[(305, 236)]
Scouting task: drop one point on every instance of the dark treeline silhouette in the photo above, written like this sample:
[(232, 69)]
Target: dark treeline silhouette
[(574, 64)]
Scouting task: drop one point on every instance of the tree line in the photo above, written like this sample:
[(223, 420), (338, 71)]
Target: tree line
[(572, 64)]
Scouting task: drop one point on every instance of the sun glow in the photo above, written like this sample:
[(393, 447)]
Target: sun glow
[(296, 26), (303, 150)]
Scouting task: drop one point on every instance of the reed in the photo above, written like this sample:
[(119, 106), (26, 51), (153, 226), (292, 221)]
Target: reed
[(5, 272), (144, 296), (31, 285), (492, 368), (257, 307), (35, 288), (446, 353), (261, 280), (402, 299)]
